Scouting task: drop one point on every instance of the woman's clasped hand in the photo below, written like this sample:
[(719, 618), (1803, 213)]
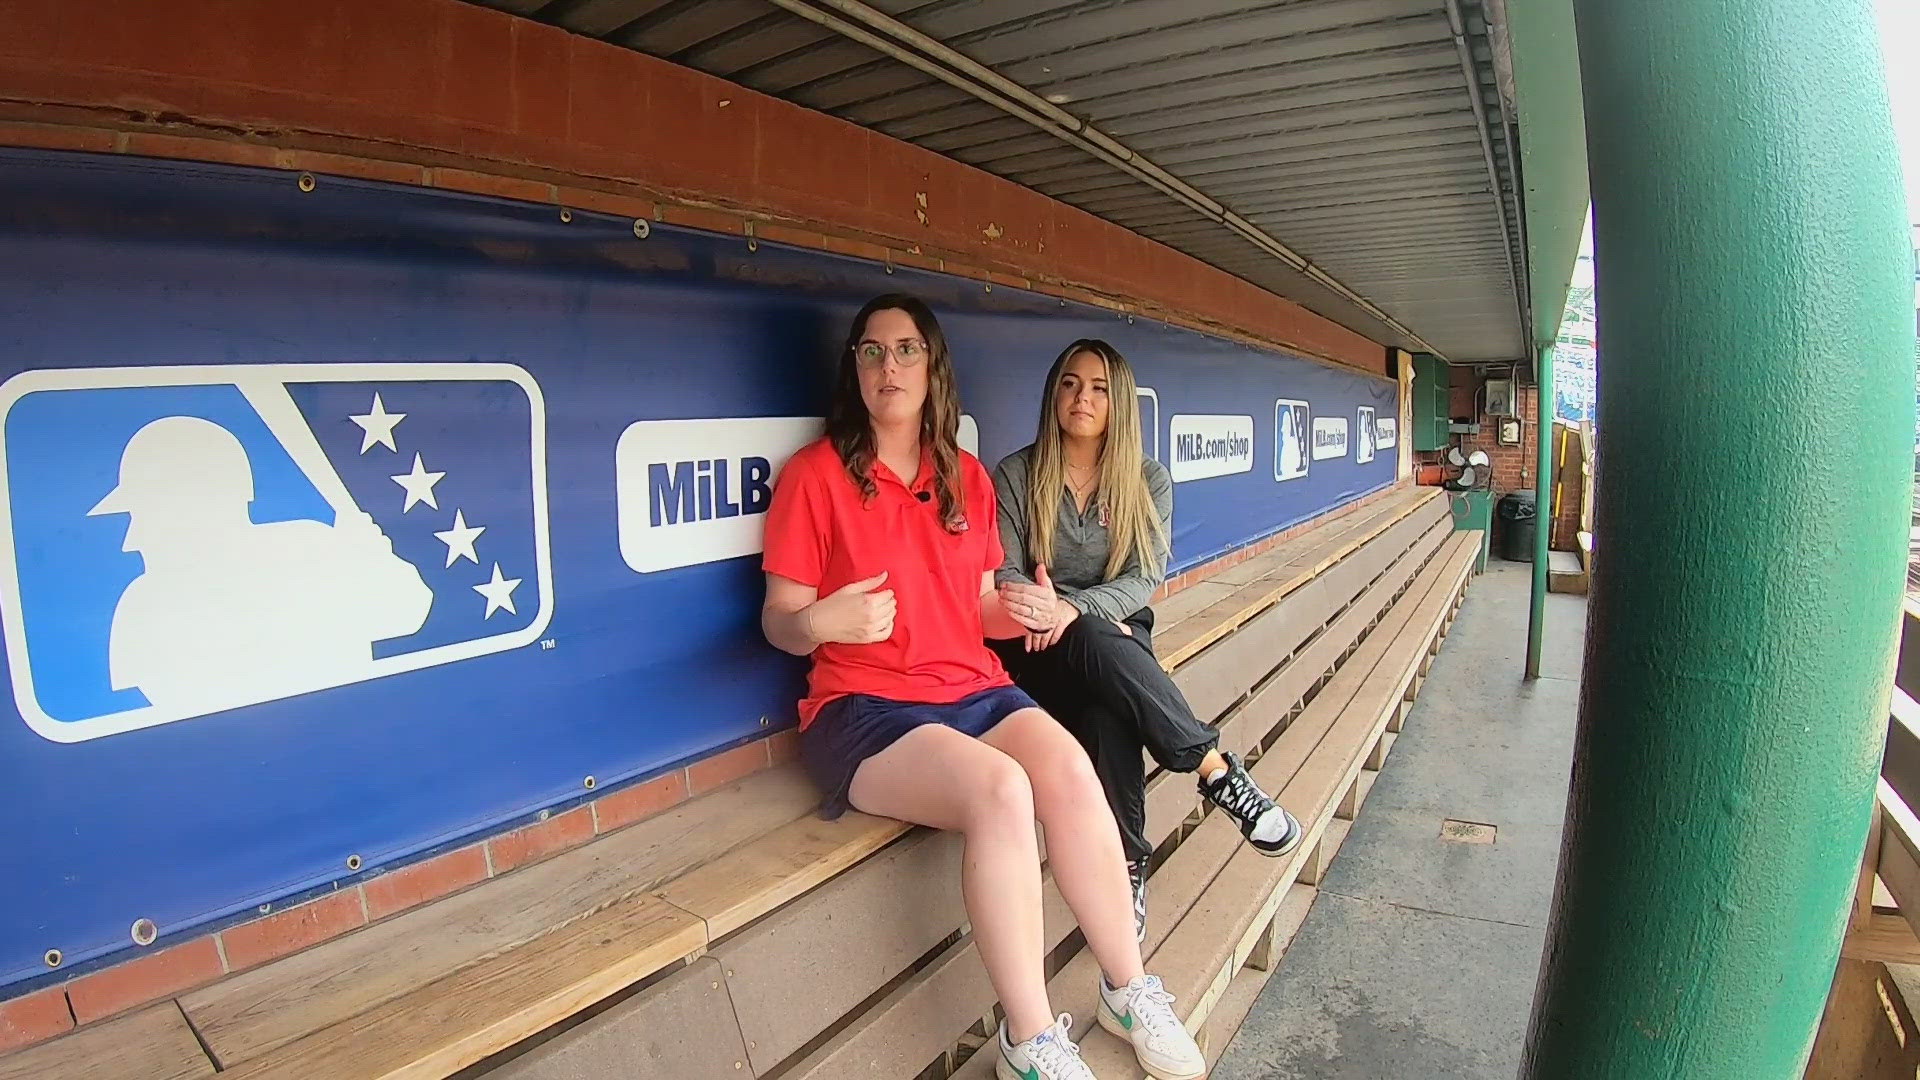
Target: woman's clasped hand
[(1038, 607)]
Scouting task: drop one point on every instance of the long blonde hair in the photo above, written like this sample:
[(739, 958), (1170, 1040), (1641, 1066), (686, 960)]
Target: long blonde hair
[(1133, 525)]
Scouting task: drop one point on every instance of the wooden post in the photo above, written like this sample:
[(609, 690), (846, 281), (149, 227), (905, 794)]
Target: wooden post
[(1349, 804), (1377, 757), (1266, 951), (1315, 866)]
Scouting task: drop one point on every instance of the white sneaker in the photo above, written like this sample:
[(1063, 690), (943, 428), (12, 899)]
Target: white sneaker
[(1049, 1055), (1141, 1013)]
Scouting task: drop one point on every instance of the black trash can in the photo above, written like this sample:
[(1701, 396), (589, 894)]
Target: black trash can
[(1517, 514)]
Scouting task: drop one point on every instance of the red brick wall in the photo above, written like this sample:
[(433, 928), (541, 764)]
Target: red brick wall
[(1513, 466), (508, 106)]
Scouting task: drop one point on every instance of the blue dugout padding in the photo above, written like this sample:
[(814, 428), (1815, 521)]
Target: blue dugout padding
[(364, 520)]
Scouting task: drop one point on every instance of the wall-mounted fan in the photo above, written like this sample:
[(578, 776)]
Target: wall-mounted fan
[(1475, 470)]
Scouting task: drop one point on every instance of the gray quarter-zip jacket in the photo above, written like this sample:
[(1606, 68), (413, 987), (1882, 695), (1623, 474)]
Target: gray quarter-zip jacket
[(1080, 542)]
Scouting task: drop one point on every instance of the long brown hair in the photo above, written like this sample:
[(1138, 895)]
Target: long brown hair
[(1133, 524), (851, 429)]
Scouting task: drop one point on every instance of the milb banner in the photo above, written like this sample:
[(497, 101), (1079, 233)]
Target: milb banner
[(696, 491), (314, 546)]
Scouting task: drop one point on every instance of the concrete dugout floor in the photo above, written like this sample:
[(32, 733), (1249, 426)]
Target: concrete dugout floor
[(1420, 955)]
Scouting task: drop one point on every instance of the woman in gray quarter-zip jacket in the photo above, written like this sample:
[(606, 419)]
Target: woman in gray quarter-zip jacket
[(1085, 513)]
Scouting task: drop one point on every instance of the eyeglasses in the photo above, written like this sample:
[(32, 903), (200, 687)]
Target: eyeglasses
[(872, 354)]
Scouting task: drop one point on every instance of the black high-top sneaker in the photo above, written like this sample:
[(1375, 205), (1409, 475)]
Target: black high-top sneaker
[(1265, 823)]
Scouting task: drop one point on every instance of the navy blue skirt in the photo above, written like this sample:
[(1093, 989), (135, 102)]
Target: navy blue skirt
[(851, 729)]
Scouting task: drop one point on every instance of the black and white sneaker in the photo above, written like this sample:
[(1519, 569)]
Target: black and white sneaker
[(1265, 823), (1137, 877)]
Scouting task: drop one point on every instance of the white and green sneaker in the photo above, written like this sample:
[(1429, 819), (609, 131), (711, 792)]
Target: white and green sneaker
[(1050, 1055), (1141, 1013)]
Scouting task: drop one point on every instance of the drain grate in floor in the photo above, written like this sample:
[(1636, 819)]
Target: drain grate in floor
[(1467, 832)]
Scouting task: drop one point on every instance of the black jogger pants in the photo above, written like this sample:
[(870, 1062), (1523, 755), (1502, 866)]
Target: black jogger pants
[(1107, 688)]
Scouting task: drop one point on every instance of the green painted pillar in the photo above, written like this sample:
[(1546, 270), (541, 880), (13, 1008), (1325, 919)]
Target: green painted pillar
[(1756, 417), (1543, 504)]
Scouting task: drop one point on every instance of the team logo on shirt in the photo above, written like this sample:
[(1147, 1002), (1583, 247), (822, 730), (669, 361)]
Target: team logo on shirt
[(181, 541)]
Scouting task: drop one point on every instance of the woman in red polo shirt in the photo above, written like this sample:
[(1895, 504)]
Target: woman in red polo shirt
[(881, 547)]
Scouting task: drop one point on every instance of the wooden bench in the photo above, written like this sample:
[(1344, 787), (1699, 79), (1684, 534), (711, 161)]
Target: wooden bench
[(1868, 1024), (737, 933), (1885, 924)]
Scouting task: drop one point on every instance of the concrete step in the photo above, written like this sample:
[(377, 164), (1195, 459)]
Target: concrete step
[(1565, 574)]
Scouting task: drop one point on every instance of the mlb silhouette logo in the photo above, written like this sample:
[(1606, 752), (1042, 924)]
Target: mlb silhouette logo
[(182, 541), (1292, 423)]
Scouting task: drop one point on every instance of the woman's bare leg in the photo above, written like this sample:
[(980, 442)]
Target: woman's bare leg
[(1083, 843), (940, 777)]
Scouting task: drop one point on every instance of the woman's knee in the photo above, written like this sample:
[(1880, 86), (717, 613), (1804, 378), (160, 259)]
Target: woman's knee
[(1094, 632), (1064, 776), (1002, 796)]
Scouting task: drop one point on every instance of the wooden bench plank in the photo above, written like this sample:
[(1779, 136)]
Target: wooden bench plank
[(878, 1045), (152, 1044), (1293, 756), (1188, 602), (486, 1007), (1187, 871), (1216, 622), (1278, 935), (1218, 934), (1194, 869), (1167, 803), (1889, 939), (1218, 676), (1354, 523), (842, 942), (770, 871), (765, 873), (923, 1016), (249, 1014), (1900, 764), (675, 1029), (1899, 863), (1247, 983), (1171, 893), (482, 936)]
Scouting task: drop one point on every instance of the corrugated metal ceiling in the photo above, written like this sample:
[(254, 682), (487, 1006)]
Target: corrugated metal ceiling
[(1344, 129)]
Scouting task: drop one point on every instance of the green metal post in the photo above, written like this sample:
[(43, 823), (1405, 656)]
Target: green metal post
[(1756, 404), (1543, 505)]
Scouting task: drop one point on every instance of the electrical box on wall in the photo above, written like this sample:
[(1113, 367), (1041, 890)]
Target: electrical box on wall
[(1509, 432), (1500, 398)]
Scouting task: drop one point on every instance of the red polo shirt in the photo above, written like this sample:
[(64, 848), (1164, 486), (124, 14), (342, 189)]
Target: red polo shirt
[(822, 532)]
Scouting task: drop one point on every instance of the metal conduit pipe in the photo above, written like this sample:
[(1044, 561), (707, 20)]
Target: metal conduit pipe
[(1458, 25), (892, 38), (1495, 11)]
